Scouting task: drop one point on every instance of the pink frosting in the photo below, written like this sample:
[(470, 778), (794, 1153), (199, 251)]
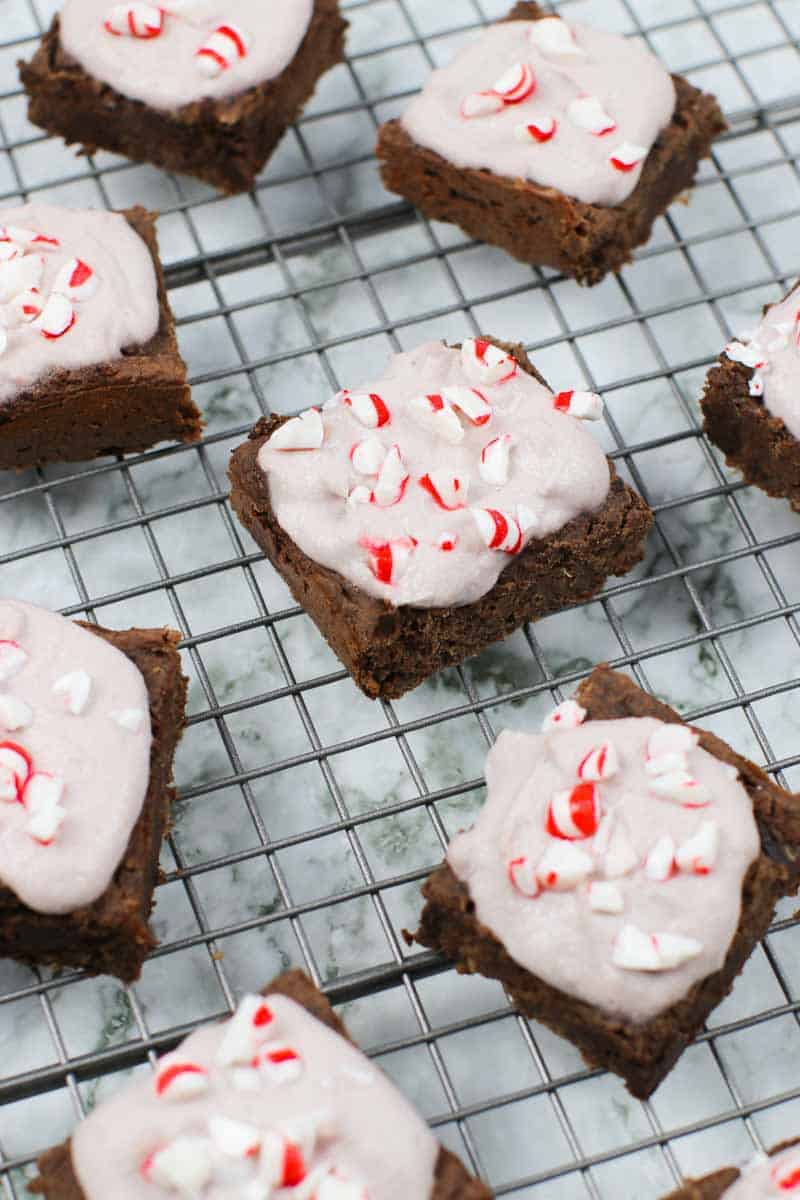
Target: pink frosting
[(74, 758), (773, 350), (598, 102), (770, 1178), (350, 1122), (165, 70), (95, 292), (360, 499), (577, 893)]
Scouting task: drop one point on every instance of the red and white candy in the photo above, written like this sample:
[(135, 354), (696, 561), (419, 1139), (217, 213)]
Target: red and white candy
[(588, 113), (24, 239), (586, 406), (481, 104), (14, 713), (447, 542), (434, 414), (563, 867), (516, 84), (392, 480), (605, 897), (42, 799), (627, 156), (613, 844), (485, 363), (523, 878), (540, 129), (25, 307), (279, 1063), (226, 46), (367, 407), (388, 560), (234, 1139), (247, 1030), (756, 385), (184, 1165), (303, 432), (498, 530), (56, 318), (179, 1079), (134, 20), (447, 491), (567, 715), (495, 460), (575, 813), (682, 787), (368, 456), (75, 690), (698, 854), (282, 1164), (470, 402), (786, 1174), (12, 659), (748, 354), (554, 38), (602, 762), (660, 862), (671, 739), (76, 280), (16, 766), (635, 950)]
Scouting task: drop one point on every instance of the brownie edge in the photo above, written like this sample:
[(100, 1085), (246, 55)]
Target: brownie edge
[(452, 1181), (389, 650), (714, 1186), (642, 1054)]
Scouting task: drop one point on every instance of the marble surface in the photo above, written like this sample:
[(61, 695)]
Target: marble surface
[(332, 275)]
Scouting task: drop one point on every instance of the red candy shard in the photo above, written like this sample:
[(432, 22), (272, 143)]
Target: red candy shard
[(262, 1016), (294, 1166)]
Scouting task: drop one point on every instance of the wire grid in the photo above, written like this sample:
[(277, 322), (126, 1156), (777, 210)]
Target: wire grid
[(532, 1120)]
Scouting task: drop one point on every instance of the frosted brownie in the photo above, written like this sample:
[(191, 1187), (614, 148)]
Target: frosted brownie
[(620, 874), (89, 721), (89, 362), (201, 86), (751, 402), (560, 143), (424, 515), (276, 1098), (766, 1177)]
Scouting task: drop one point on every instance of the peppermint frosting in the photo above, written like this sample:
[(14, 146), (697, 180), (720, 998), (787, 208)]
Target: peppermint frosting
[(270, 1103), (773, 351), (175, 52), (609, 858), (421, 486), (768, 1178), (74, 758), (76, 288), (559, 104)]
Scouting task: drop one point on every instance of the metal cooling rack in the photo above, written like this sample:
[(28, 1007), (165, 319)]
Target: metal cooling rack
[(100, 542)]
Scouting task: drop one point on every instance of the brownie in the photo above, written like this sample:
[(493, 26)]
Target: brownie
[(223, 142), (642, 1054), (116, 407), (541, 225), (753, 440), (452, 1182), (389, 650), (111, 936), (714, 1186)]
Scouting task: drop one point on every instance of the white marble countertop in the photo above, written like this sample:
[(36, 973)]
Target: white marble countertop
[(312, 281)]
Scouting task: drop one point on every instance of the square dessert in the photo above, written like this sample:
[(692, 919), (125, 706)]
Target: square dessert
[(751, 402), (622, 871), (89, 362), (197, 86), (773, 1175), (89, 722), (429, 513), (277, 1097), (560, 143)]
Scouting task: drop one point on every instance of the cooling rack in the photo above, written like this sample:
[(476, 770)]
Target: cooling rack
[(307, 817)]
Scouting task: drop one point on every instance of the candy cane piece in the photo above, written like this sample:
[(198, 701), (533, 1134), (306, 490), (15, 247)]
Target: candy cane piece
[(42, 798), (56, 318), (279, 1063), (368, 456), (588, 113), (130, 719), (388, 560), (563, 867), (392, 480), (248, 1028), (178, 1079), (786, 1173), (469, 401), (14, 713), (446, 490), (227, 44), (495, 460), (367, 407), (516, 84), (28, 237), (282, 1163), (76, 280), (522, 877), (635, 950), (486, 363), (19, 274), (303, 432), (14, 759), (682, 787), (554, 37), (75, 688), (567, 715), (185, 1165), (234, 1139), (12, 659), (672, 738), (575, 813), (447, 542), (605, 897), (432, 413), (134, 20), (660, 862), (698, 854), (499, 530), (481, 104), (627, 156), (586, 406), (601, 762), (26, 306), (542, 129)]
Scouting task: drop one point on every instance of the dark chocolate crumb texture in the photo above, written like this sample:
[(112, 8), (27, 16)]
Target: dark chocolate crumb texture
[(431, 513), (751, 402), (276, 1099), (559, 143), (620, 874), (89, 722), (765, 1177), (89, 361), (196, 86)]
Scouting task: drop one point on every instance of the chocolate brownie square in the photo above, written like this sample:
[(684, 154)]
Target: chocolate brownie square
[(90, 363), (679, 834), (393, 630), (751, 402), (443, 1176), (75, 754), (779, 1173), (555, 189), (172, 85)]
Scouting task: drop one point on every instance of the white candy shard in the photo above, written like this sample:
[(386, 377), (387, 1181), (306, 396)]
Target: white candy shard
[(660, 862), (516, 84), (336, 1187), (184, 1165), (76, 280), (602, 762), (588, 113), (235, 1139), (12, 660), (248, 1028), (481, 104), (392, 480), (554, 38), (131, 719), (227, 44), (564, 866), (14, 713), (585, 406), (134, 20), (56, 318), (434, 414), (666, 764), (756, 385), (674, 950), (605, 897), (498, 530), (25, 238), (682, 787), (567, 715), (485, 363), (750, 355), (19, 275), (522, 877), (303, 432), (627, 156), (495, 460), (635, 950), (698, 854), (367, 456), (42, 799), (620, 858), (367, 407), (389, 560), (448, 491), (178, 1079), (75, 689), (672, 738), (470, 402)]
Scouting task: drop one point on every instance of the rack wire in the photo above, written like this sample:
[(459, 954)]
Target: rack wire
[(307, 817)]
